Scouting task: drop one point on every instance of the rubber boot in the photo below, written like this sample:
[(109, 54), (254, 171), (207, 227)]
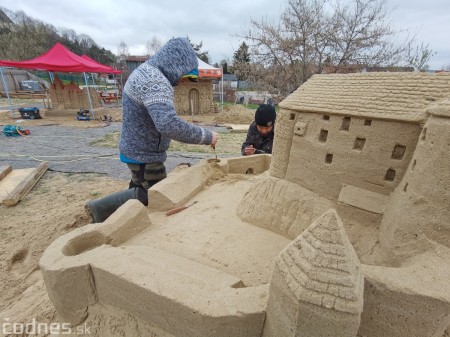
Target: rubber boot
[(102, 208)]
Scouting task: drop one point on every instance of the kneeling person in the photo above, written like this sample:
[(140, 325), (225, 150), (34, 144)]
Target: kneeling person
[(261, 132)]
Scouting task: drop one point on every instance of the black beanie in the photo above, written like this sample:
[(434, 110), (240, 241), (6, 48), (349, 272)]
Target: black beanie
[(265, 115)]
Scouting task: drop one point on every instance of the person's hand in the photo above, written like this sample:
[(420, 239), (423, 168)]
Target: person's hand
[(215, 137), (249, 150)]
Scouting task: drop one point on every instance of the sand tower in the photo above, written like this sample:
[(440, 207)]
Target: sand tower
[(418, 215)]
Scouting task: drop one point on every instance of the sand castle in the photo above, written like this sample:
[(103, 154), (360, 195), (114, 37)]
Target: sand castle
[(343, 231)]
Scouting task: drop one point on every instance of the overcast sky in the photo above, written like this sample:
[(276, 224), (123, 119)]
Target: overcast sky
[(214, 23)]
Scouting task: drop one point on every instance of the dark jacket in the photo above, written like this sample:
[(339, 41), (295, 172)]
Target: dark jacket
[(260, 143)]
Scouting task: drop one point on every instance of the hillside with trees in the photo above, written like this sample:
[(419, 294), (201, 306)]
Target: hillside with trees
[(24, 38)]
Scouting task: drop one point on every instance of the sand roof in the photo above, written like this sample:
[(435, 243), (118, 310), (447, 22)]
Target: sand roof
[(396, 96)]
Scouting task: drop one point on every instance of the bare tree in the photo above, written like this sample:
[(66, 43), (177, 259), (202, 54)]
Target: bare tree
[(419, 56), (153, 45), (316, 34), (122, 51), (363, 35)]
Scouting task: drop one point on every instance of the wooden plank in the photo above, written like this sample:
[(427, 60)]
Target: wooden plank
[(25, 186), (12, 180), (4, 170)]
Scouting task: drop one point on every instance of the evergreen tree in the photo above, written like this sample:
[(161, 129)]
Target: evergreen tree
[(241, 55), (241, 62), (197, 48), (224, 66)]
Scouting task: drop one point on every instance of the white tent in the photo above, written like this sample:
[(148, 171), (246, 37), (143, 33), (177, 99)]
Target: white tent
[(206, 70)]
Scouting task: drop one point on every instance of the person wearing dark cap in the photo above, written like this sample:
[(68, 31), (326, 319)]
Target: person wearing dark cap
[(261, 132)]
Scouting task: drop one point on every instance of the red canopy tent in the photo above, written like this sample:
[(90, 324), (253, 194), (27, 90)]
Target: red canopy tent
[(111, 69), (60, 59)]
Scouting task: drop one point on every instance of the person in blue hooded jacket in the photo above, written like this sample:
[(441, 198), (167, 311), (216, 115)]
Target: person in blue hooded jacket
[(150, 122)]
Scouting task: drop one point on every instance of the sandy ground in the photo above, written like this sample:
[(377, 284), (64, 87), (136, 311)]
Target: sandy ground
[(237, 114), (53, 207)]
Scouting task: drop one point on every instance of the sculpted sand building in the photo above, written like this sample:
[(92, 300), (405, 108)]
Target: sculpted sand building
[(352, 138), (350, 234)]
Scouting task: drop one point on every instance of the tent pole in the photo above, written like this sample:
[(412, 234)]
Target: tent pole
[(93, 82), (89, 94), (121, 85), (116, 83), (50, 76), (7, 91), (221, 93)]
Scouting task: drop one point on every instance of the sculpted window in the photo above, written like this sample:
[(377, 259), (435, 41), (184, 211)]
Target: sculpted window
[(359, 143), (323, 136), (346, 123), (399, 152), (390, 175), (329, 158)]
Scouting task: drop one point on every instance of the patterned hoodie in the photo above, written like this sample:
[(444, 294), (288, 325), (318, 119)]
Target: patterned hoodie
[(149, 117)]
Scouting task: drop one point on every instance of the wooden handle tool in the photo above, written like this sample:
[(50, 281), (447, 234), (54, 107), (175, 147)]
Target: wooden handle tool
[(179, 209)]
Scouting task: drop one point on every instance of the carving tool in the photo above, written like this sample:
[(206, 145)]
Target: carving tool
[(214, 148), (179, 209)]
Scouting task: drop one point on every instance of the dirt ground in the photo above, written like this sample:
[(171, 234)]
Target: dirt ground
[(55, 206), (236, 114)]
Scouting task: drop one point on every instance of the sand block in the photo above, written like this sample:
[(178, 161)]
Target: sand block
[(173, 293), (412, 300), (181, 275), (238, 128), (364, 199), (177, 189), (246, 164), (317, 286)]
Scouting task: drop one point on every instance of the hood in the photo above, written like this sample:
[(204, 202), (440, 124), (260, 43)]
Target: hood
[(175, 59)]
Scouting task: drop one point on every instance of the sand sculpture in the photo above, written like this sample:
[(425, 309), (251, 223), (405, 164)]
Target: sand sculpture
[(71, 96), (343, 231), (194, 98)]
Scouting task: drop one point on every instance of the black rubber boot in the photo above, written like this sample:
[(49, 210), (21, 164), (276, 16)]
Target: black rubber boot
[(102, 208)]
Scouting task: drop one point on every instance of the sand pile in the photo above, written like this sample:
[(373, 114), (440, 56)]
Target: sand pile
[(236, 114)]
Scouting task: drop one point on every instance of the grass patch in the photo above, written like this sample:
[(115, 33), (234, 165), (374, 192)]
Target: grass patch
[(38, 190), (229, 104), (95, 194), (110, 140), (228, 143)]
